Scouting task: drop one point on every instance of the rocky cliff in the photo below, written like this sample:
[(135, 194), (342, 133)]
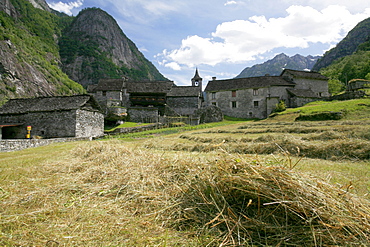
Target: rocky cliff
[(276, 65), (95, 47), (44, 52), (29, 58)]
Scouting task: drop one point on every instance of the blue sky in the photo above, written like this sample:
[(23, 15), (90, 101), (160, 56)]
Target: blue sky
[(222, 37)]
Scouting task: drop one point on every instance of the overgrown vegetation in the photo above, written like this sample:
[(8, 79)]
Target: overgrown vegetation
[(33, 37)]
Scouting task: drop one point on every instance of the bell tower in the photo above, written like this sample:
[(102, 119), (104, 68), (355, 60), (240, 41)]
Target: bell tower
[(196, 81)]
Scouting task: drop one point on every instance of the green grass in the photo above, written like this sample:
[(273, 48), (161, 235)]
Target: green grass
[(352, 109), (168, 131), (125, 125), (232, 183)]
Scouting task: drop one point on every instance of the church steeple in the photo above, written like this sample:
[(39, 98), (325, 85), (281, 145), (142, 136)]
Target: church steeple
[(196, 81)]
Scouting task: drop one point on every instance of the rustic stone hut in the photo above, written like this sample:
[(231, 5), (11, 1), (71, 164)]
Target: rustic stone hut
[(147, 100), (52, 117), (256, 97), (185, 100)]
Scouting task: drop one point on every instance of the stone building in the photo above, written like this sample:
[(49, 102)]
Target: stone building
[(52, 117), (256, 97), (147, 101)]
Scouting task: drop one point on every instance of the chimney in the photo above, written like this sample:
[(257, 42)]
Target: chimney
[(214, 78)]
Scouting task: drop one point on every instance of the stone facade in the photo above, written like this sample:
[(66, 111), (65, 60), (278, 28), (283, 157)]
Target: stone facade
[(135, 96), (256, 97), (52, 117), (143, 114)]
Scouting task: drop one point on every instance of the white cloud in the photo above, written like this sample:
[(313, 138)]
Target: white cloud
[(244, 40), (230, 3), (66, 7), (173, 65)]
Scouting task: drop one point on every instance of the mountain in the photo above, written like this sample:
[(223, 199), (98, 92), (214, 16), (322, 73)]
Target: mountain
[(358, 35), (95, 47), (278, 63), (350, 59), (29, 54), (44, 52)]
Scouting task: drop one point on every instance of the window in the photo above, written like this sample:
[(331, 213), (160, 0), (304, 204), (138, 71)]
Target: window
[(233, 93), (233, 104), (214, 103), (255, 92), (104, 93), (255, 103), (213, 95)]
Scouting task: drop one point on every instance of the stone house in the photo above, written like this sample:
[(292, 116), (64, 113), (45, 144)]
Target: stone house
[(52, 117), (147, 101), (256, 97)]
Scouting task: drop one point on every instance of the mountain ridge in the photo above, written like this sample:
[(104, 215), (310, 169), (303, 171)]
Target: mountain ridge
[(276, 65), (347, 46)]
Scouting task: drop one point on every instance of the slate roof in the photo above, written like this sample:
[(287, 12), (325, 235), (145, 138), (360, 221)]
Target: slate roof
[(303, 74), (48, 104), (184, 91), (302, 93), (149, 86), (110, 85), (245, 83)]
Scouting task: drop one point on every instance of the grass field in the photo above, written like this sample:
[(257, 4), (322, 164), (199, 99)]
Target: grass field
[(235, 183)]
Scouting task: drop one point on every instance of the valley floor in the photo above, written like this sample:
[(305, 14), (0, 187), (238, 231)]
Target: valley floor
[(248, 183)]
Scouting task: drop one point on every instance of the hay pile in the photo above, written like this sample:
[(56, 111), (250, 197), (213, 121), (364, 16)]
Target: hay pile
[(255, 205)]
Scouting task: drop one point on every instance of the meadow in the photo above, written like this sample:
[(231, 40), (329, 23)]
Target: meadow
[(275, 182)]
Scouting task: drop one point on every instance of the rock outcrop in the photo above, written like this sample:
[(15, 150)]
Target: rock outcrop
[(95, 47)]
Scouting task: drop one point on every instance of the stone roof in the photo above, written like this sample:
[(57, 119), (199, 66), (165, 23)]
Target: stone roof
[(110, 85), (302, 93), (245, 83), (48, 104), (149, 86), (303, 74), (184, 91)]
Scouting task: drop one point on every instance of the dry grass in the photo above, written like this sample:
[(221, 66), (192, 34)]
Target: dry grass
[(332, 140), (113, 193)]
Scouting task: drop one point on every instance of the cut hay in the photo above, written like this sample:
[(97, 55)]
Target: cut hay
[(254, 205)]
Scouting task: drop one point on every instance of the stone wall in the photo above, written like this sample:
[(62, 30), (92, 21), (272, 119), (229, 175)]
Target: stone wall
[(320, 87), (20, 144), (249, 103), (89, 124), (44, 124), (184, 105), (143, 114), (73, 123)]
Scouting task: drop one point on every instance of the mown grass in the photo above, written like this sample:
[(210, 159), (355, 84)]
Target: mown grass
[(234, 183), (114, 193)]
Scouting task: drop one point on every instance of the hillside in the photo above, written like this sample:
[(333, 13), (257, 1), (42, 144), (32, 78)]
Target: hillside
[(275, 66), (350, 44), (44, 52), (94, 47), (29, 54)]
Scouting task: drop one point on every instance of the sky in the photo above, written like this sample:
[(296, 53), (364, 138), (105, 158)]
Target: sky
[(222, 37)]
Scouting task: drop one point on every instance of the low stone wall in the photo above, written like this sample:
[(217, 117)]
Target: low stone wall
[(135, 129), (19, 144)]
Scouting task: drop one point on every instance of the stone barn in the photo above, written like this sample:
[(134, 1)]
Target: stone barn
[(52, 117)]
